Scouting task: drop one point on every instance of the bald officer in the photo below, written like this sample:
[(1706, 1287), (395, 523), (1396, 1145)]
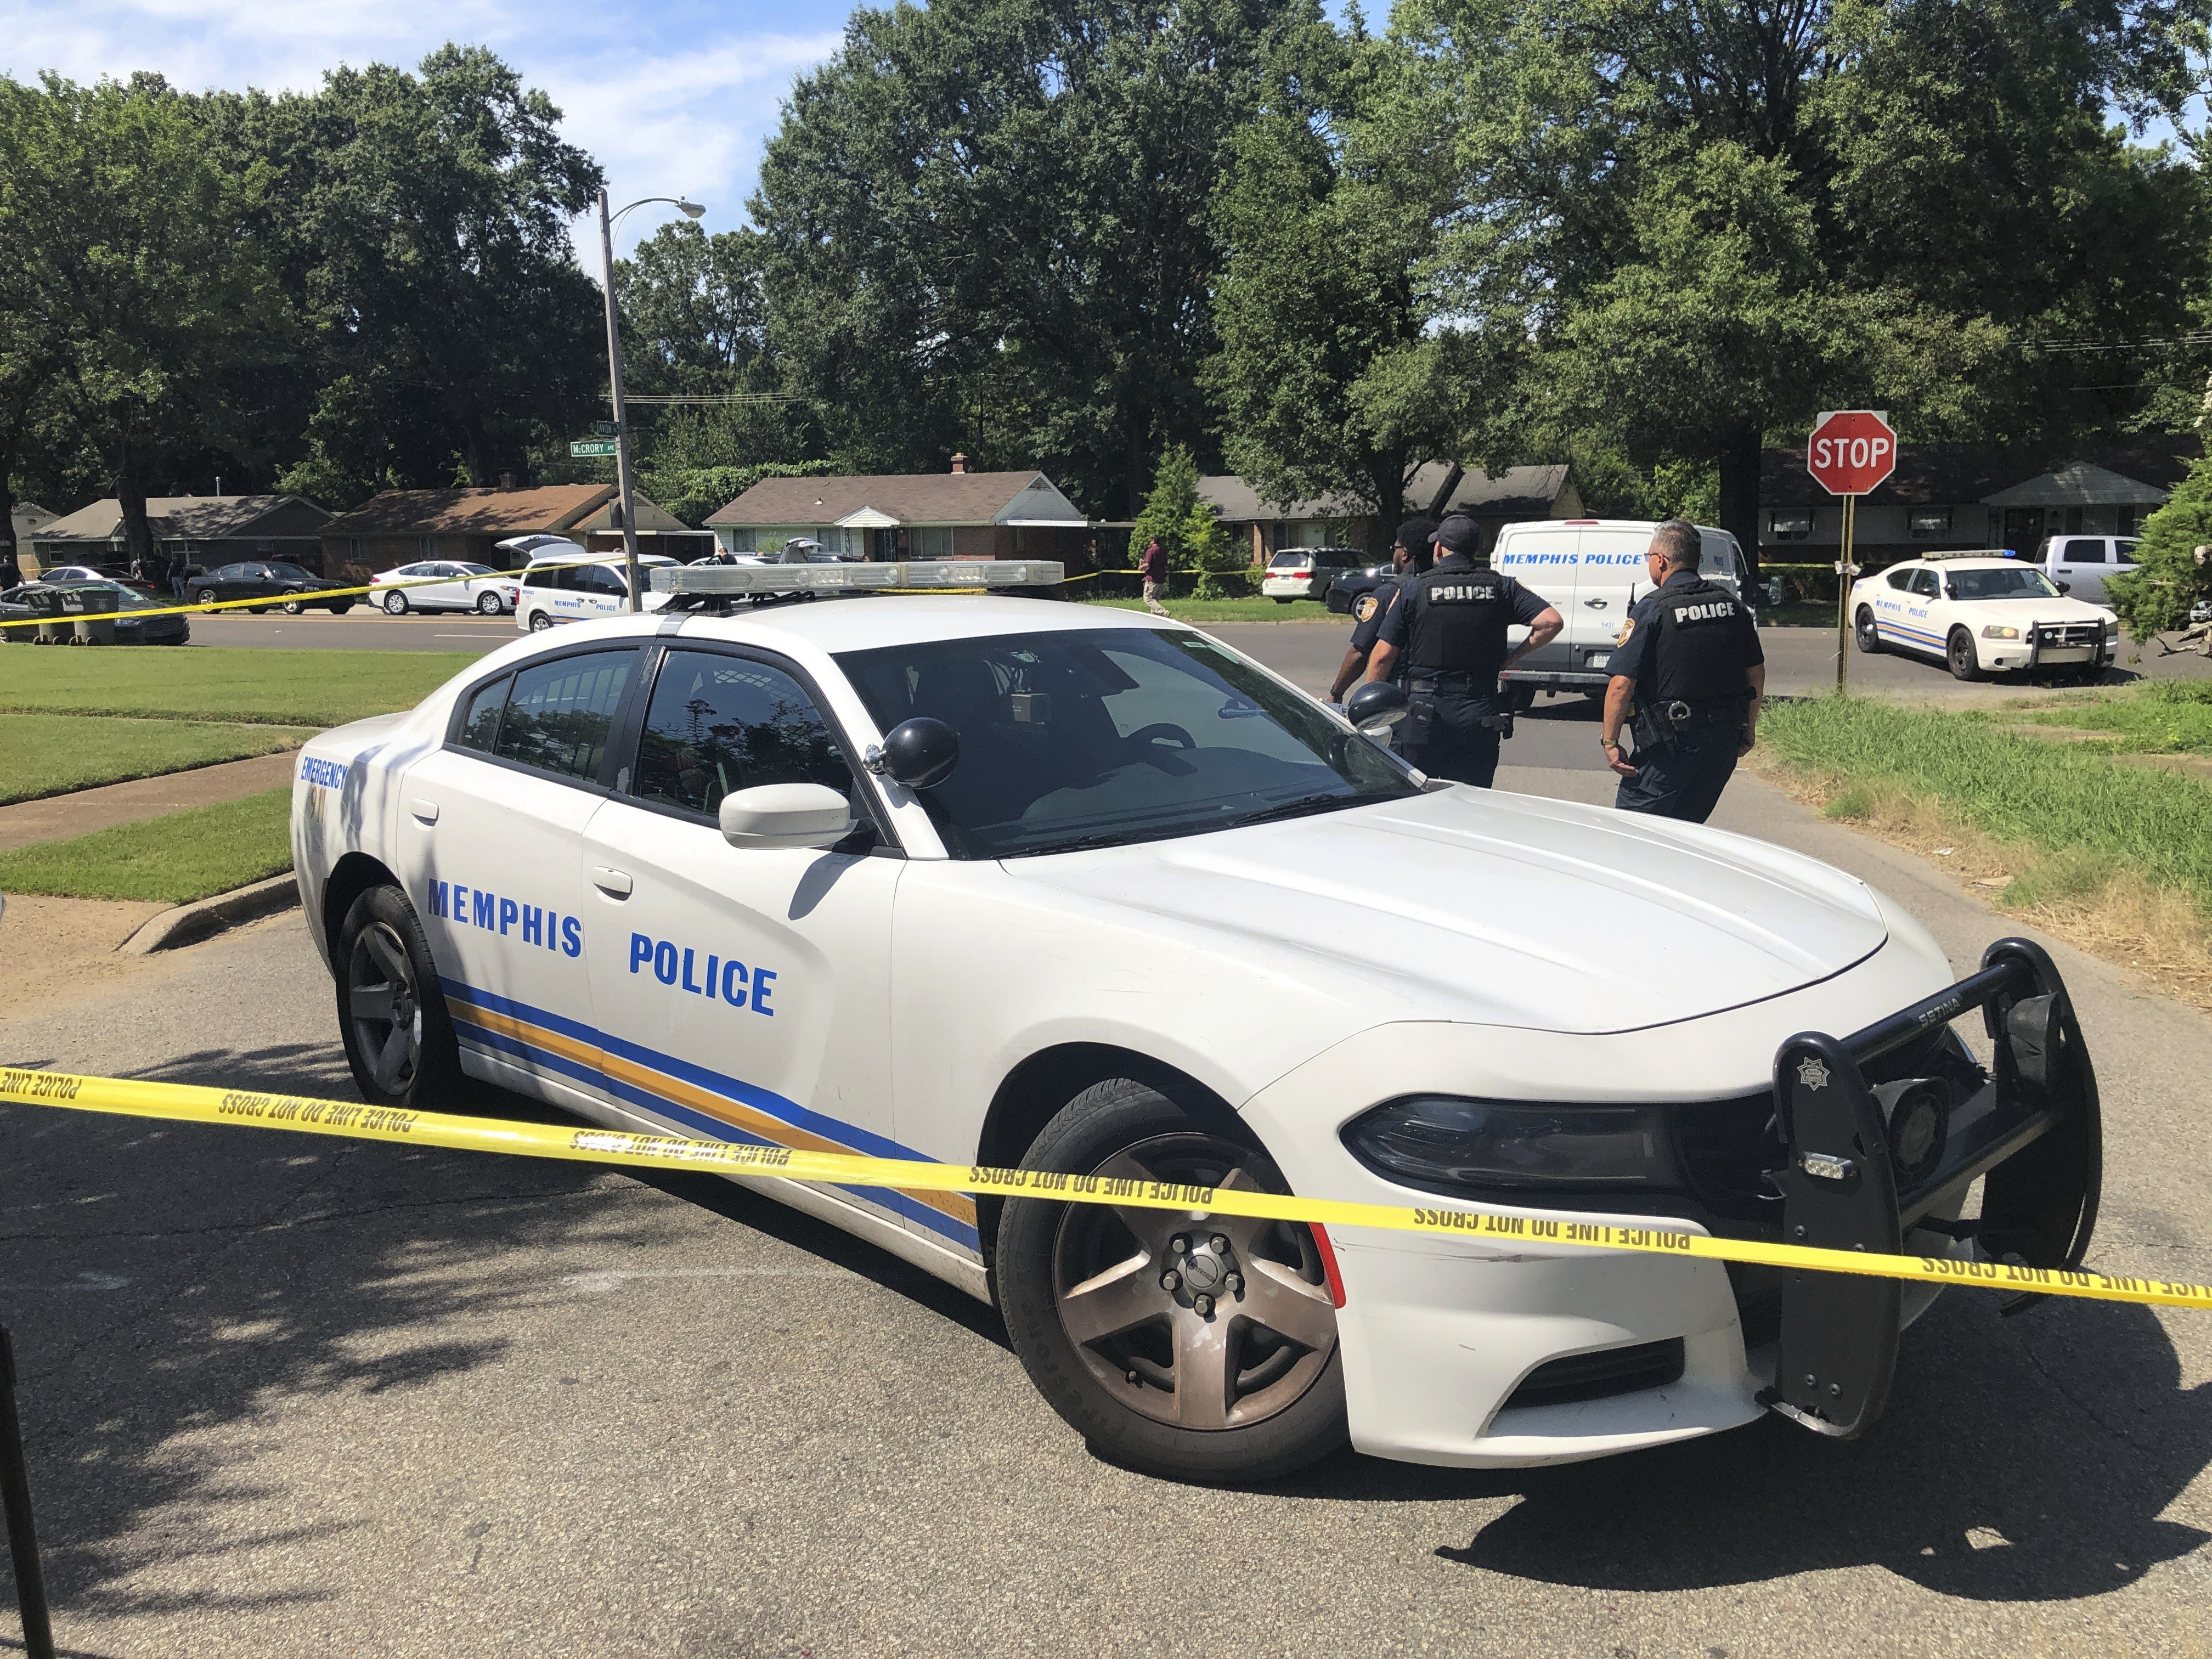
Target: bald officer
[(1690, 658)]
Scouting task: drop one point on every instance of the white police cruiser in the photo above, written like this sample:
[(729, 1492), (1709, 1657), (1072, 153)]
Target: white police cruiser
[(1982, 613), (991, 880)]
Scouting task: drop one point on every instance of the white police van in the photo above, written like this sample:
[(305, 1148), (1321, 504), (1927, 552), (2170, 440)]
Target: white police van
[(1591, 571), (991, 880), (566, 583)]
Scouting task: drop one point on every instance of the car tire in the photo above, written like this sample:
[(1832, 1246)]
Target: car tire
[(293, 607), (1865, 634), (1958, 653), (1520, 698), (395, 603), (487, 605), (1271, 1400), (539, 622), (1280, 600), (391, 1015)]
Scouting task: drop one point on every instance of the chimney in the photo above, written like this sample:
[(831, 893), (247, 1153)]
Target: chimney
[(507, 481), (959, 464)]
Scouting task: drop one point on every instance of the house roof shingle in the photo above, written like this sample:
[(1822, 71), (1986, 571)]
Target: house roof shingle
[(1432, 489), (547, 508), (911, 498), (179, 518)]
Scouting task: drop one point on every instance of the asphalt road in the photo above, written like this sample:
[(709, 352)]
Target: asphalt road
[(290, 1397)]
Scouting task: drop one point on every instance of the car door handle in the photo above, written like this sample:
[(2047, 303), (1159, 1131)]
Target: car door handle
[(426, 811), (615, 884), (1594, 605)]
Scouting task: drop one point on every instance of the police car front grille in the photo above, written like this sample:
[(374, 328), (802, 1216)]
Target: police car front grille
[(1598, 1375), (1727, 1147), (2071, 633)]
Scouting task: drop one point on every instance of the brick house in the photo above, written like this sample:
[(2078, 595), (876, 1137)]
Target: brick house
[(919, 515), (403, 525)]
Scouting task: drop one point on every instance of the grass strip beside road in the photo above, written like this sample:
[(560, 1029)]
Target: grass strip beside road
[(2165, 717), (316, 689), (54, 754), (187, 855)]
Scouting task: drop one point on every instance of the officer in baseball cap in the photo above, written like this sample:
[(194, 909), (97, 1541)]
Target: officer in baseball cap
[(1411, 553), (1446, 638)]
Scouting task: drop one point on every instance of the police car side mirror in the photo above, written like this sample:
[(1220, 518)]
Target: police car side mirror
[(1376, 706), (2066, 588), (916, 753), (785, 815)]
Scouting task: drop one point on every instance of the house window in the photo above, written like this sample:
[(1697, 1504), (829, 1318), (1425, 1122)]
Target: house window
[(356, 547), (931, 542), (1792, 526), (426, 547), (1934, 522)]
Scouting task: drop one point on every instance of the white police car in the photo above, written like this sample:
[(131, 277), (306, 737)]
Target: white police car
[(1982, 613), (991, 880)]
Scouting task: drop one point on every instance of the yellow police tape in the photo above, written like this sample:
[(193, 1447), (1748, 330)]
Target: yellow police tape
[(322, 595), (182, 1103)]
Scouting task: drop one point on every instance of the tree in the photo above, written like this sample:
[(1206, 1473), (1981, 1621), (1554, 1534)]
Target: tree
[(422, 224), (2169, 577), (990, 230), (1188, 529), (1337, 374), (131, 276), (1724, 218)]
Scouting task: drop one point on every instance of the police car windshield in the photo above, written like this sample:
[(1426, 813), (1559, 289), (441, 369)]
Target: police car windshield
[(1105, 737), (2001, 582)]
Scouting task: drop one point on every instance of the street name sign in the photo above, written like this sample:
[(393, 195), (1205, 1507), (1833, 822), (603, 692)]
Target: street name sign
[(1851, 451), (606, 429), (581, 448)]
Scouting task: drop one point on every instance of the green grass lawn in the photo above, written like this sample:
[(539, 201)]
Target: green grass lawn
[(277, 688), (53, 754), (2166, 717), (2071, 800), (174, 859), (1206, 611)]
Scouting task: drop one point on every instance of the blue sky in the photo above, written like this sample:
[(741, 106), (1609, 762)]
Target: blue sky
[(672, 96)]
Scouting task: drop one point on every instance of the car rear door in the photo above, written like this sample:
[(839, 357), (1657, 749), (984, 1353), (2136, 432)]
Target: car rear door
[(2081, 562), (490, 848), (745, 993), (1546, 559)]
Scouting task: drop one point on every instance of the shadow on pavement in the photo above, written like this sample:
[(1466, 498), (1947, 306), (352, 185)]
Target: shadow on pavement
[(167, 1285), (2023, 1460)]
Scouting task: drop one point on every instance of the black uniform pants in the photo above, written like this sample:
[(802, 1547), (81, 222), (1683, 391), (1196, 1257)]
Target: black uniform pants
[(1451, 742), (1681, 777)]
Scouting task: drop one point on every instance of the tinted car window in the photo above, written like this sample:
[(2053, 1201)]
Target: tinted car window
[(291, 573), (480, 725), (717, 724), (1101, 736), (1923, 583), (231, 572), (559, 713), (2019, 581), (600, 579), (2090, 552), (1901, 581)]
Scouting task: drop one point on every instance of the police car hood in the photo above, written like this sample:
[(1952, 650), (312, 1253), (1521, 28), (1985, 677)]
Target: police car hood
[(1477, 905), (2022, 613)]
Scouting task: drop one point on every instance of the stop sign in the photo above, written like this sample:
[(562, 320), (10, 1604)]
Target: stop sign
[(1850, 451)]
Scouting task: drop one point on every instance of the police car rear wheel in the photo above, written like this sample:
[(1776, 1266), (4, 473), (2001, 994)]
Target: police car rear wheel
[(1865, 633), (398, 1037), (1195, 1348)]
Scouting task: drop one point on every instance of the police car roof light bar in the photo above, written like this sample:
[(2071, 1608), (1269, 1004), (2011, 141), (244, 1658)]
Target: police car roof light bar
[(720, 581), (1936, 553)]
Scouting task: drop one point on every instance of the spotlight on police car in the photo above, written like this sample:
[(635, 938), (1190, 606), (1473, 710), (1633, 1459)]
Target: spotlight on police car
[(1376, 706), (1917, 1113), (916, 753)]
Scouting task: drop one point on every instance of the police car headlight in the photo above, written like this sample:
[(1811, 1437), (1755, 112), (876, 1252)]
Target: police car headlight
[(2112, 627), (1998, 631), (1441, 1141)]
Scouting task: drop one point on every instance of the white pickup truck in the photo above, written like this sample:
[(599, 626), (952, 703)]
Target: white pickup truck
[(2078, 565)]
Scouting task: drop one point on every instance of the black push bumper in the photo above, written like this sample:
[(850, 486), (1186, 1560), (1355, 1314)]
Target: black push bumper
[(1866, 1164)]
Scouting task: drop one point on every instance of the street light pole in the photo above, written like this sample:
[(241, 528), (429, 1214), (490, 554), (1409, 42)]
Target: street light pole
[(626, 489)]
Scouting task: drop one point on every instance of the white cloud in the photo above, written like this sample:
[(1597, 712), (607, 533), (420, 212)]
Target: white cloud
[(672, 97)]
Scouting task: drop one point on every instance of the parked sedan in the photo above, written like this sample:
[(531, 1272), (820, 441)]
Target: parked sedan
[(94, 573), (445, 584), (289, 586), (131, 629)]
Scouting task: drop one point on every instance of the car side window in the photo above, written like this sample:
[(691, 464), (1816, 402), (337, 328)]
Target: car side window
[(559, 713), (718, 724), (600, 579), (1924, 584), (1901, 581), (480, 725), (2085, 552)]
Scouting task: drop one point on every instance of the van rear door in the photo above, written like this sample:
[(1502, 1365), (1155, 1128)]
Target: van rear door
[(1544, 558), (1612, 579)]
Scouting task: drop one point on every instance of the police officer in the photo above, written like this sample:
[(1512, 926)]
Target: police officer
[(1447, 634), (1690, 656), (1411, 554)]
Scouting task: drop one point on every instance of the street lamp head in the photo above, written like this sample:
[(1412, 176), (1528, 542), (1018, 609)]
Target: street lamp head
[(690, 209)]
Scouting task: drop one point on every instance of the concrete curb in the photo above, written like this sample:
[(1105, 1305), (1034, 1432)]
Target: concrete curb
[(189, 923)]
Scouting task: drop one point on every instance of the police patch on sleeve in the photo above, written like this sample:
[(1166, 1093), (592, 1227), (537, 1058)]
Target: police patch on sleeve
[(1627, 628), (1364, 607)]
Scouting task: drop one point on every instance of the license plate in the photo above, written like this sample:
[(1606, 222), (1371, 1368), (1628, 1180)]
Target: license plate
[(1598, 659), (2066, 654)]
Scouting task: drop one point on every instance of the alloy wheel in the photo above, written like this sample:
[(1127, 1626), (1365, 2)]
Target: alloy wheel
[(1209, 1323), (384, 1004)]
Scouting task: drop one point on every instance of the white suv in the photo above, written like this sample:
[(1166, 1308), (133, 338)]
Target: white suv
[(1304, 573)]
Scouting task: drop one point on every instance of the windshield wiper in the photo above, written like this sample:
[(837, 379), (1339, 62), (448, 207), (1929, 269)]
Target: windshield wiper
[(1295, 809)]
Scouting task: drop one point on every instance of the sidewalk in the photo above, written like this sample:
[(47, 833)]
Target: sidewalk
[(57, 818)]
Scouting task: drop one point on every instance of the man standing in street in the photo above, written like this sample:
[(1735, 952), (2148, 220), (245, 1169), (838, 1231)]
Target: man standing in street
[(1153, 567), (1690, 657), (1411, 555), (1449, 629)]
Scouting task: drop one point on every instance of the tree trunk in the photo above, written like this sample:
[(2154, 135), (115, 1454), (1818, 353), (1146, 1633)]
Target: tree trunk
[(131, 495), (11, 568), (1386, 473), (1740, 487)]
